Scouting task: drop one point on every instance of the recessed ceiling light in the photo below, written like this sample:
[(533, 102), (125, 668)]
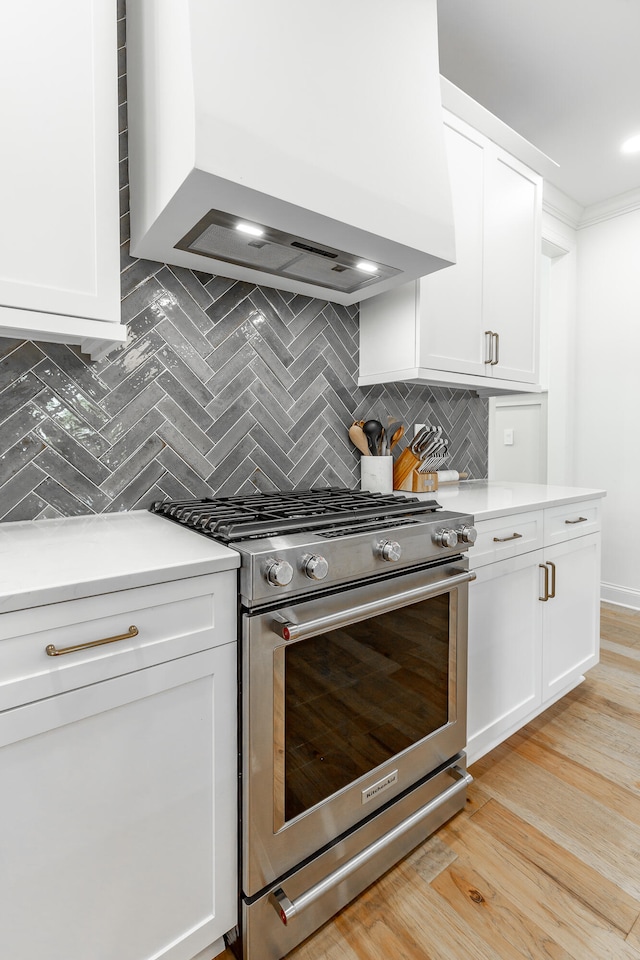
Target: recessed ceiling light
[(250, 228), (366, 267), (632, 145)]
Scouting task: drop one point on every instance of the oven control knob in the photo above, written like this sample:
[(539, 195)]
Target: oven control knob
[(467, 534), (316, 568), (278, 572), (445, 538), (390, 550)]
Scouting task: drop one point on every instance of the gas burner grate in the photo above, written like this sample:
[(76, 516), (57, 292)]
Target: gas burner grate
[(233, 519)]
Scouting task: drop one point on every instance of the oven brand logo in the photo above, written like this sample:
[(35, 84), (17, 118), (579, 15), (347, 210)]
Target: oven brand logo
[(370, 792)]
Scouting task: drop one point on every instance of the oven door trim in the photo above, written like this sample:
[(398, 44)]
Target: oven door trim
[(270, 849)]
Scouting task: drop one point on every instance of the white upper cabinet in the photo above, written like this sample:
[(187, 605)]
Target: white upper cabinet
[(59, 241), (511, 265), (474, 324), (450, 309)]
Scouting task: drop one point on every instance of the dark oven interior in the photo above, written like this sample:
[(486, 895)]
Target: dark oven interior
[(358, 696)]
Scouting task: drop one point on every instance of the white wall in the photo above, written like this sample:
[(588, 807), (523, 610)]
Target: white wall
[(558, 323), (607, 391)]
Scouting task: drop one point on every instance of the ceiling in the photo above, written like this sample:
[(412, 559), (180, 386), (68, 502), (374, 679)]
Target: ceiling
[(565, 74)]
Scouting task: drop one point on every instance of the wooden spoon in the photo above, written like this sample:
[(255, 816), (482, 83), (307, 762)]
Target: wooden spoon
[(397, 436), (358, 439)]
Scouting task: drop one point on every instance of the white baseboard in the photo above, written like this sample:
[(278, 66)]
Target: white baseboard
[(623, 596)]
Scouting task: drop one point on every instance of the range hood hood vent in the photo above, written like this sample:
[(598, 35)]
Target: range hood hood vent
[(223, 237), (294, 145)]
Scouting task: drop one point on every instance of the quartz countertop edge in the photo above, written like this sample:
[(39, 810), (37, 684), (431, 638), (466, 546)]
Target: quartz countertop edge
[(487, 499), (49, 561)]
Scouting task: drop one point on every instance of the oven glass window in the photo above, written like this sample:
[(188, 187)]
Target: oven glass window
[(357, 696)]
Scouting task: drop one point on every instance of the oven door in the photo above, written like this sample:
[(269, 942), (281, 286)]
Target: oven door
[(348, 700)]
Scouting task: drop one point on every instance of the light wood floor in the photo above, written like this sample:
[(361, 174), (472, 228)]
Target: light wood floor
[(544, 863)]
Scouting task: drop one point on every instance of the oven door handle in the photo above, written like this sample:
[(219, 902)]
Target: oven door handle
[(288, 909), (301, 631)]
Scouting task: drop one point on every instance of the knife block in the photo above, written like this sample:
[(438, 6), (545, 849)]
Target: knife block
[(407, 478), (425, 482), (403, 470)]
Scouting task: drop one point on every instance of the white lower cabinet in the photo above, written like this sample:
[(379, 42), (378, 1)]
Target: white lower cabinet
[(504, 669), (118, 801), (571, 618), (533, 620)]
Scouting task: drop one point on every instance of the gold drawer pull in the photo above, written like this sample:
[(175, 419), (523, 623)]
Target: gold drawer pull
[(514, 536), (52, 650), (579, 520)]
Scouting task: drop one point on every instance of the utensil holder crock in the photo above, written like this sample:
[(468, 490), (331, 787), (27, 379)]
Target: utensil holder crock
[(376, 474)]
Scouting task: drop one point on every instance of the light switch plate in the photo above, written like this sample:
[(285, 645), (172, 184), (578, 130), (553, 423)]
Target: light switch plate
[(508, 437)]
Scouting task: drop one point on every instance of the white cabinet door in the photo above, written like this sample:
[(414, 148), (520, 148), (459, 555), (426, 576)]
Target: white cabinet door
[(474, 323), (512, 238), (59, 243), (571, 621), (504, 669), (450, 321), (118, 810)]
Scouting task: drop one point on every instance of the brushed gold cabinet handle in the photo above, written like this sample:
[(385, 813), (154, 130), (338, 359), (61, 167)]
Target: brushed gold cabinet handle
[(514, 536), (579, 520), (496, 337), (491, 335), (553, 579), (52, 651), (544, 567)]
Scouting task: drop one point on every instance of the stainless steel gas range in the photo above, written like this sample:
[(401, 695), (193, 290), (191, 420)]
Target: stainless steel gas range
[(352, 660)]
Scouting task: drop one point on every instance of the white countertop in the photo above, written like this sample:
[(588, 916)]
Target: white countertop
[(47, 561), (494, 498)]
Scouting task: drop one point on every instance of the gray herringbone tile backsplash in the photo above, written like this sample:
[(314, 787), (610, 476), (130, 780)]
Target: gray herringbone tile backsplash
[(223, 387)]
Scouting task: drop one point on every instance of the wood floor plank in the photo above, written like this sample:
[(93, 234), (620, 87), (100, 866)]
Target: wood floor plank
[(398, 917), (566, 919), (615, 617), (634, 935), (406, 905), (569, 732), (327, 944), (494, 916), (589, 754), (621, 636), (615, 797), (613, 698), (621, 660), (602, 896), (431, 858), (588, 829)]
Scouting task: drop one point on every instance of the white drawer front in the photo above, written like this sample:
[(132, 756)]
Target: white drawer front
[(571, 520), (172, 620), (505, 537)]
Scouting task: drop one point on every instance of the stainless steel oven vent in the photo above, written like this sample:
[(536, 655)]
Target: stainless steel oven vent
[(221, 236)]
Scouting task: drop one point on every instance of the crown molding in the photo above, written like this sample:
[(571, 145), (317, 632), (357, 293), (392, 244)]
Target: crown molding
[(611, 208), (557, 204)]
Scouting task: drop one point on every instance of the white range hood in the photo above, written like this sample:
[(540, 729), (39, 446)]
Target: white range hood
[(296, 144)]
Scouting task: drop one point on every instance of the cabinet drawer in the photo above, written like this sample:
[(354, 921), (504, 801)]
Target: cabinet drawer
[(172, 620), (504, 537), (571, 520)]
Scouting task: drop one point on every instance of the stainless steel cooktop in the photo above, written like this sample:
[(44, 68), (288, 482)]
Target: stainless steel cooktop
[(297, 542)]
